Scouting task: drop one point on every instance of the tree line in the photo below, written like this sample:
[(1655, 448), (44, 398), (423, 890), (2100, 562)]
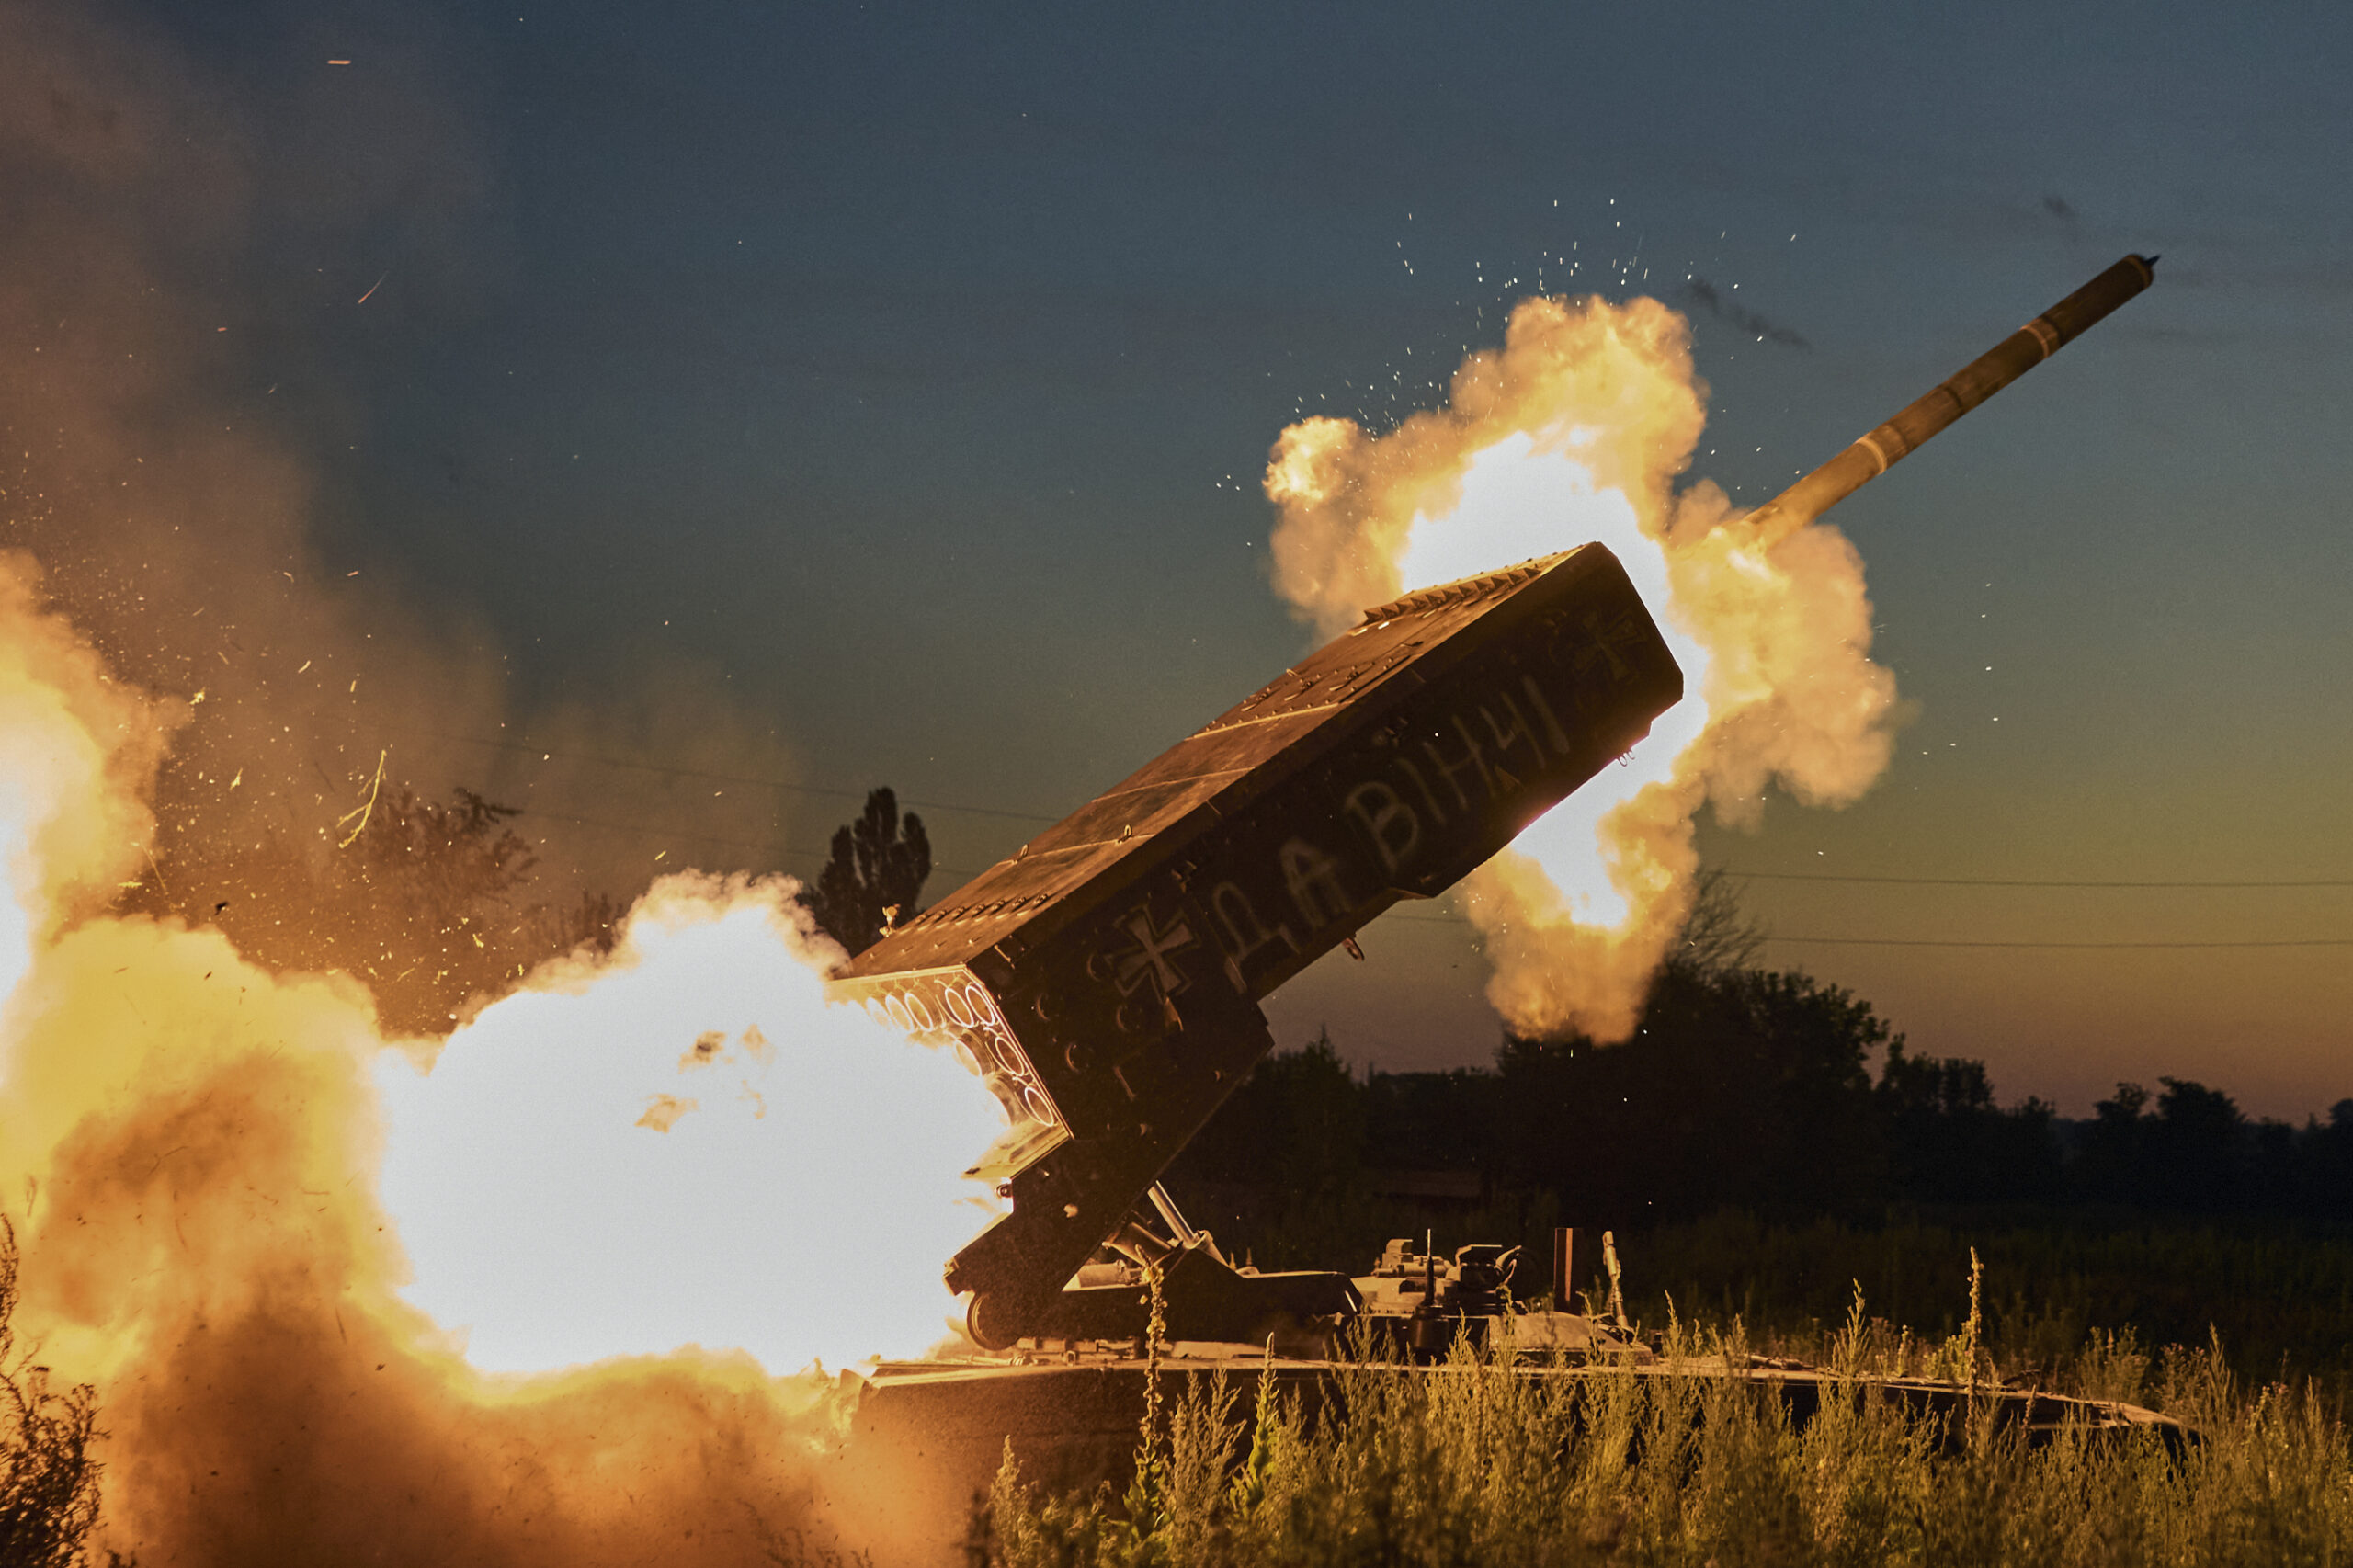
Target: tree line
[(1762, 1090)]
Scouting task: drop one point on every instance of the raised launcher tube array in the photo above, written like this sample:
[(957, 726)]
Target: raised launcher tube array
[(1105, 980)]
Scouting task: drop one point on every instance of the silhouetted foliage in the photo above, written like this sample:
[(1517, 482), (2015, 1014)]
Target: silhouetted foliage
[(48, 1483), (1718, 937), (2192, 1151), (1432, 1120), (2326, 1177), (1740, 1089), (1297, 1125), (1732, 1087), (1950, 1143), (874, 876), (424, 904), (1757, 1091)]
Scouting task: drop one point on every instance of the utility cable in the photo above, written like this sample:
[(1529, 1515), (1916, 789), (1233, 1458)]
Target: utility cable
[(781, 850), (1926, 942), (1457, 919), (732, 777), (841, 793), (2023, 882)]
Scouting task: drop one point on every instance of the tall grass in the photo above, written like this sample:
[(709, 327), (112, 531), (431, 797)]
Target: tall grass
[(2279, 1295), (1472, 1464)]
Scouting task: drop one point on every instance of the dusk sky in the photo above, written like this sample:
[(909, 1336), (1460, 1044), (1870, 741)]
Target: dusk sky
[(803, 398)]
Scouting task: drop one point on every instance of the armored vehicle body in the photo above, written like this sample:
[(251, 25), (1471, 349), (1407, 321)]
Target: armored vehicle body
[(1105, 980)]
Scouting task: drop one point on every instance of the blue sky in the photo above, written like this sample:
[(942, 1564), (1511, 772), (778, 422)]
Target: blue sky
[(902, 375)]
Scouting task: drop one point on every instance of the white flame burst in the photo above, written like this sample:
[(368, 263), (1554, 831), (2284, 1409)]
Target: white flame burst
[(1517, 503), (685, 1145)]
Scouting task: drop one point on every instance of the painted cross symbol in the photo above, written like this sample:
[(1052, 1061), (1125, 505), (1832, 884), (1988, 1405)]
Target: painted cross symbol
[(1608, 638), (1151, 956)]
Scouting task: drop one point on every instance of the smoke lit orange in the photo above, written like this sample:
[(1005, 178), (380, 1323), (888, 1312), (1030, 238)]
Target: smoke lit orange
[(1579, 428), (195, 1148)]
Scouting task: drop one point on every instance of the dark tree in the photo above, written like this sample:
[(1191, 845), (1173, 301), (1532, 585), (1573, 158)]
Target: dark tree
[(2197, 1153), (2327, 1177), (2200, 1148), (1432, 1120), (1718, 937), (874, 876), (1948, 1142), (428, 905), (1746, 1088), (1296, 1125), (48, 1482)]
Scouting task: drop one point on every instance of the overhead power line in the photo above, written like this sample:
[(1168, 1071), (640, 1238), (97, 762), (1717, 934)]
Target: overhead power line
[(840, 792), (1927, 942), (1453, 917), (732, 777), (2024, 881), (643, 831), (769, 846), (1456, 918)]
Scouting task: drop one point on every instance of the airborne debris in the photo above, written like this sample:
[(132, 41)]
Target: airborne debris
[(663, 1111), (366, 808)]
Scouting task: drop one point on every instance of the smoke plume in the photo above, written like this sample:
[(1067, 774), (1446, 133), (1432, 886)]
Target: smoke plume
[(219, 720), (197, 1143), (179, 294), (1580, 427)]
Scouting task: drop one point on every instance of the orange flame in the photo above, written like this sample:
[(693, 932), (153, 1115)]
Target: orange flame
[(1578, 429), (195, 1143)]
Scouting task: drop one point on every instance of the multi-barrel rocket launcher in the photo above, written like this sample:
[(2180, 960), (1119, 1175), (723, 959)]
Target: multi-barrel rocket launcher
[(1105, 980)]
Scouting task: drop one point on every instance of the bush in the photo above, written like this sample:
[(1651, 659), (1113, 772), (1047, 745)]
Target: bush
[(48, 1483)]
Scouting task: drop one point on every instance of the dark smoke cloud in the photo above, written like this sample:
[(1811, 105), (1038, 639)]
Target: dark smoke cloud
[(148, 464), (180, 263), (179, 300), (1700, 294)]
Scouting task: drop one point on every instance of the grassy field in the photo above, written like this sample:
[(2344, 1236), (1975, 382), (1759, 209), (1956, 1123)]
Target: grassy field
[(2238, 1329), (1486, 1469)]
